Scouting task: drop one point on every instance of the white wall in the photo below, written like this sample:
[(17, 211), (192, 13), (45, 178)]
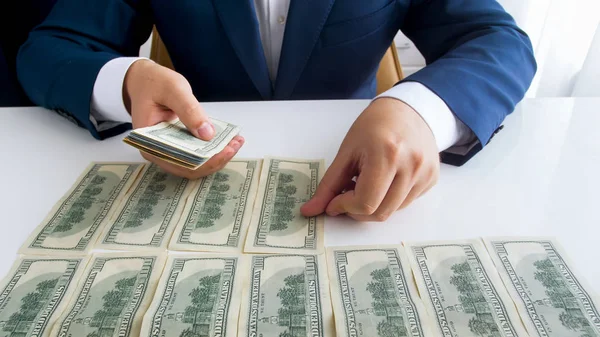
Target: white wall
[(145, 48)]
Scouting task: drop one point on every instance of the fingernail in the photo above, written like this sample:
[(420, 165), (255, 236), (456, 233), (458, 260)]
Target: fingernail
[(236, 145), (205, 130)]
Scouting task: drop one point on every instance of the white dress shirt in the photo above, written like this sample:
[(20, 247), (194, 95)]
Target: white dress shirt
[(107, 98)]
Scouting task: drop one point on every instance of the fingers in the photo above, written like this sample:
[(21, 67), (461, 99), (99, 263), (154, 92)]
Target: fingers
[(416, 192), (151, 114), (221, 159), (153, 93), (400, 188), (405, 189), (213, 165), (350, 186), (179, 97), (168, 167), (371, 188), (336, 178)]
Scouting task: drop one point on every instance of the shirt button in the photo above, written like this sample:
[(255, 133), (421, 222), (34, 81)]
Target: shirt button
[(281, 19)]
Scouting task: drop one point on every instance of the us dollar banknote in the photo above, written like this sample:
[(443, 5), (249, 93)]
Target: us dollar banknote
[(217, 214), (34, 293), (286, 295), (172, 141), (550, 295), (112, 296), (277, 225), (73, 225), (373, 293), (462, 291), (198, 295), (148, 213)]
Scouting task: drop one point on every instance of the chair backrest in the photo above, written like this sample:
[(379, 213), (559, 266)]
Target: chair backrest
[(390, 70), (158, 51), (388, 74)]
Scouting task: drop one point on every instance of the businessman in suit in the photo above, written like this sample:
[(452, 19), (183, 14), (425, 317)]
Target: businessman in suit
[(81, 62)]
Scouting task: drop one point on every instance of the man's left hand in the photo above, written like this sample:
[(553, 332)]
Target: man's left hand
[(393, 155)]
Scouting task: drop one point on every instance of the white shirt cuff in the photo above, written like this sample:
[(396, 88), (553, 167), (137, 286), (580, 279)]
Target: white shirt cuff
[(107, 97), (447, 129)]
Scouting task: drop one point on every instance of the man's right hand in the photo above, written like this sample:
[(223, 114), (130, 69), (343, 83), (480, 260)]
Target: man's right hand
[(153, 94)]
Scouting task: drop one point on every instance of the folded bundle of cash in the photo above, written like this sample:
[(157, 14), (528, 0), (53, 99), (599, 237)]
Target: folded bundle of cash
[(172, 142)]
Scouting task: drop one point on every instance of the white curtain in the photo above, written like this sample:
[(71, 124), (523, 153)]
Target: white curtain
[(563, 45), (587, 82)]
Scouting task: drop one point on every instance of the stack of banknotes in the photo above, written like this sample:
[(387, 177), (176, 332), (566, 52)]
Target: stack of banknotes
[(132, 251), (172, 142)]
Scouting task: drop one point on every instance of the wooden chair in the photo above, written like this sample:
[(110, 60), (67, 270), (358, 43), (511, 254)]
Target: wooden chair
[(389, 73), (158, 51)]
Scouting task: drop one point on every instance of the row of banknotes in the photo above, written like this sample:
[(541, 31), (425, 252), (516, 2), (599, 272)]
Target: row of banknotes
[(172, 142), (488, 287), (252, 206)]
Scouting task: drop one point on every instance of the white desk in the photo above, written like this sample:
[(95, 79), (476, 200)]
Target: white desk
[(539, 176)]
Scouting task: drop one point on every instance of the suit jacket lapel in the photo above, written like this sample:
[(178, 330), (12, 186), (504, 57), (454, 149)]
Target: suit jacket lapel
[(304, 24), (238, 18)]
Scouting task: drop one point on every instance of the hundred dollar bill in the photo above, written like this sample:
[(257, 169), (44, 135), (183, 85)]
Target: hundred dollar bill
[(173, 142), (286, 295), (112, 296), (198, 295), (217, 214), (373, 293), (550, 295), (461, 290), (34, 293), (146, 217), (73, 225), (277, 225)]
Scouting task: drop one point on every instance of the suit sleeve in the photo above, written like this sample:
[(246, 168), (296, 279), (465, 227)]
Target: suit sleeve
[(58, 64), (478, 61)]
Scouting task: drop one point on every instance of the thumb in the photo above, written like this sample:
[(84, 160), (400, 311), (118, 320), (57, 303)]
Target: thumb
[(336, 178), (181, 100)]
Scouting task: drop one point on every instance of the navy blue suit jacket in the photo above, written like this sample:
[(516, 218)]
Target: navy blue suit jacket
[(17, 19), (478, 61)]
